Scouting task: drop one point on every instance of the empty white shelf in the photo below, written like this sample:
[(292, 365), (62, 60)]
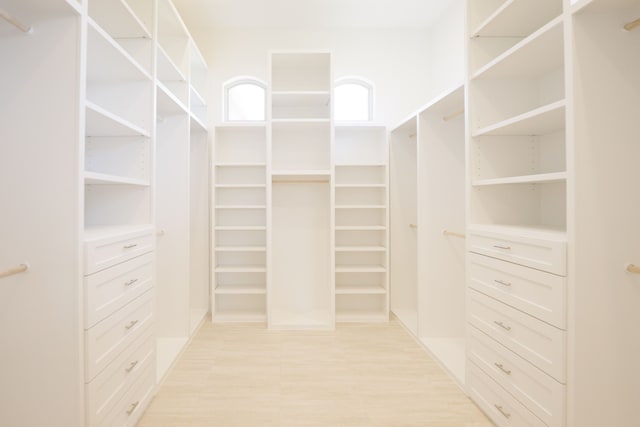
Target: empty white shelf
[(240, 228), (118, 19), (360, 290), (360, 249), (94, 178), (540, 121), (241, 207), (252, 289), (241, 248), (360, 269), (101, 122), (361, 207), (527, 179), (517, 18), (360, 228), (240, 269), (301, 175)]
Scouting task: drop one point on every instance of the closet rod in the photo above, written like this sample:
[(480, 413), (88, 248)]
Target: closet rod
[(453, 115), (13, 21), (13, 271), (632, 25), (631, 268), (453, 234)]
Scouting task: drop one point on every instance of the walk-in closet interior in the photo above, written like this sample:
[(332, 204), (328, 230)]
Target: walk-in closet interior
[(467, 169)]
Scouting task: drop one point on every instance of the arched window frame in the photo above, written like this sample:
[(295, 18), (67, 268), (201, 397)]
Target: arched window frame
[(242, 80), (368, 85)]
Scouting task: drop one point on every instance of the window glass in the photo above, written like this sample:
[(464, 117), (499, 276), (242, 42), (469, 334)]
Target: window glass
[(246, 101), (352, 102)]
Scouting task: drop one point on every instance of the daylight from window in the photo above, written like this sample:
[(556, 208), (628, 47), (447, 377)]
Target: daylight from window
[(353, 101), (246, 102)]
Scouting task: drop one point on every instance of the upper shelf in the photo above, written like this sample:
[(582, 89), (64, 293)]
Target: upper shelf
[(601, 5), (541, 52), (518, 18), (119, 18), (101, 122), (541, 121)]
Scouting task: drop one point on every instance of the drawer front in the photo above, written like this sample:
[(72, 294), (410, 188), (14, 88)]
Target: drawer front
[(540, 393), (540, 294), (105, 341), (110, 385), (501, 407), (109, 290), (105, 253), (130, 408), (536, 341), (545, 255)]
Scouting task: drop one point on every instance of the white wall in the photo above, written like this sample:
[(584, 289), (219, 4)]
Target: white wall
[(408, 66), (446, 49)]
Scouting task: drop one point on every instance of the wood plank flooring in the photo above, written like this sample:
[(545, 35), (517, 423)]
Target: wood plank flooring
[(360, 375)]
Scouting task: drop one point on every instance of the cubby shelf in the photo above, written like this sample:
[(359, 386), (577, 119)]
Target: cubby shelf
[(240, 186), (118, 19), (360, 269), (240, 228), (255, 289), (360, 290), (94, 178), (241, 269), (527, 179), (240, 248), (300, 175), (94, 233), (360, 186), (518, 18), (361, 207), (360, 249), (546, 45), (360, 228), (100, 122), (233, 207), (540, 121), (236, 165)]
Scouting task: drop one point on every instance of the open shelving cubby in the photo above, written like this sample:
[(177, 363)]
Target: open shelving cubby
[(300, 212), (361, 237), (240, 201)]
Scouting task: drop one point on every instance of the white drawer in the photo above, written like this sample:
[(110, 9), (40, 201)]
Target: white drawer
[(540, 294), (111, 289), (545, 255), (107, 339), (103, 253), (540, 393), (501, 407), (110, 385), (536, 341), (130, 408)]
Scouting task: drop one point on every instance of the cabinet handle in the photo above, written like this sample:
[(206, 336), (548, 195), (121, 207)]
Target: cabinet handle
[(506, 248), (131, 282), (502, 411), (502, 325), (413, 225), (502, 368), (130, 368), (502, 282), (131, 246), (132, 407), (131, 324)]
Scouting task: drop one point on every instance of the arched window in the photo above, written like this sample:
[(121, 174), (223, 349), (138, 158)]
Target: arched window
[(353, 99), (245, 99)]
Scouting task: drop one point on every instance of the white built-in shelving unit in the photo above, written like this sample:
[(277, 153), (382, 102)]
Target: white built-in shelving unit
[(517, 210), (124, 165), (427, 186), (239, 230), (361, 200), (300, 214), (300, 233), (182, 186)]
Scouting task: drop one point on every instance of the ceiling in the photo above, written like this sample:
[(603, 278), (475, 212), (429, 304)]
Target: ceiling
[(310, 14)]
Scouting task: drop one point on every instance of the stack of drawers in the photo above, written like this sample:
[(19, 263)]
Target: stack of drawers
[(119, 339), (517, 327)]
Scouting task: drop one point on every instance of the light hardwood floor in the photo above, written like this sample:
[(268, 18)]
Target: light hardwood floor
[(360, 375)]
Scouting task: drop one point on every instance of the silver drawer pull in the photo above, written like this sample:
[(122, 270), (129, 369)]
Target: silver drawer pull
[(502, 368), (502, 282), (131, 324), (132, 407), (506, 248), (502, 325), (131, 246), (131, 366), (131, 282), (502, 411)]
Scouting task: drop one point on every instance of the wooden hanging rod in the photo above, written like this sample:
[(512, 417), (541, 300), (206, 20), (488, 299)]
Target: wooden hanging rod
[(453, 115), (631, 268), (13, 21), (632, 25), (13, 271), (453, 234)]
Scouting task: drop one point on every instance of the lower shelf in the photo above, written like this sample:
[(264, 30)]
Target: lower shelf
[(450, 353)]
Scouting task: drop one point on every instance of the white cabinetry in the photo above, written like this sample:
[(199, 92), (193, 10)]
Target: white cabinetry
[(300, 219), (427, 183), (239, 231), (517, 220)]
